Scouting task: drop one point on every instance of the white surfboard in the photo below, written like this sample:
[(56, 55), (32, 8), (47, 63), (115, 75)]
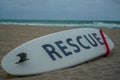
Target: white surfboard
[(55, 51)]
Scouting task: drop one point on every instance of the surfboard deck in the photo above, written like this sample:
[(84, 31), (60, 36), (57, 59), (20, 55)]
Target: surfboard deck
[(55, 51)]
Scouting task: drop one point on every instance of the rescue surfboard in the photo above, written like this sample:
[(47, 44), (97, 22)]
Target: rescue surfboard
[(57, 51)]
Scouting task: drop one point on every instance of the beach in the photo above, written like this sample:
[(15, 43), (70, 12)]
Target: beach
[(103, 68)]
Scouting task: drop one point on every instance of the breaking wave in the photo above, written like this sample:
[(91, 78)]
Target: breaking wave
[(64, 23)]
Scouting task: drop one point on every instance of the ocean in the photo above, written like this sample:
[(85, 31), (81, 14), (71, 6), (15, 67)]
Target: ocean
[(64, 23)]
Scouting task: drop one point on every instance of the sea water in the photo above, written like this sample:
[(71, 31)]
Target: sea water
[(65, 23)]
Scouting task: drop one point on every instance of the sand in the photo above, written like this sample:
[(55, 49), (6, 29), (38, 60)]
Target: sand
[(103, 68)]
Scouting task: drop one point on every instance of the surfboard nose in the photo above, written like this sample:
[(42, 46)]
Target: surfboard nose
[(111, 44)]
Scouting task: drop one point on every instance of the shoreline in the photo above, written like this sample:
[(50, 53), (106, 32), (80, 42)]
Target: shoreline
[(63, 26), (107, 68)]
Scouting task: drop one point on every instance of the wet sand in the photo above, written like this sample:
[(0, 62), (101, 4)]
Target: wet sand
[(102, 68)]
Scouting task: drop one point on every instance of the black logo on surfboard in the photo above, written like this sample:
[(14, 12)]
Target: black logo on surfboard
[(23, 58)]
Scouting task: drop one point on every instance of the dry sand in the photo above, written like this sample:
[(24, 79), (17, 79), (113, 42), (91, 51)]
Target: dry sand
[(102, 68)]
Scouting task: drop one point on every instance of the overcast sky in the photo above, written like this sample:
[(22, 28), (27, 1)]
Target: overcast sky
[(60, 9)]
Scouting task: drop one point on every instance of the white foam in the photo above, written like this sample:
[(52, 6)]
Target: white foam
[(94, 24)]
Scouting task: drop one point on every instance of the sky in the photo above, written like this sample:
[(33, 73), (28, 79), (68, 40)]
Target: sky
[(60, 9)]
